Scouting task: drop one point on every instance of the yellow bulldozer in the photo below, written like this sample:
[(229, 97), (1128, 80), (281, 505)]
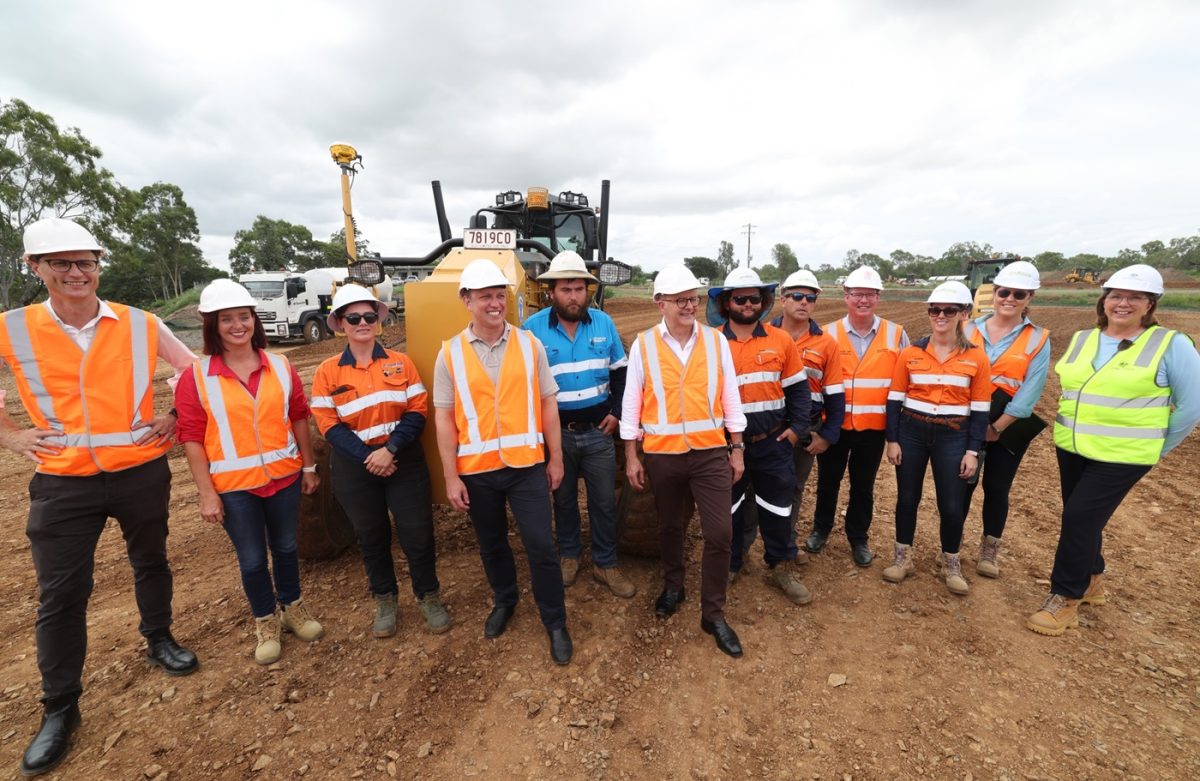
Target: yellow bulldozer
[(1089, 276)]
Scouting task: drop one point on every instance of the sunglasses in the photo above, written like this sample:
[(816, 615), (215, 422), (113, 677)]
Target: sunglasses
[(1019, 295), (948, 311), (752, 299), (797, 297), (371, 318)]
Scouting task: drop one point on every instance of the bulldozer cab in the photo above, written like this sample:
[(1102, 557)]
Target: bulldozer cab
[(561, 222), (981, 275)]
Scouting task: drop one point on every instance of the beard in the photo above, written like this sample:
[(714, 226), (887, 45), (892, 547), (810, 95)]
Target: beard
[(742, 319), (570, 314)]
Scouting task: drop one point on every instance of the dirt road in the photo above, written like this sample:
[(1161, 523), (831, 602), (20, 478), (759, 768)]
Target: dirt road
[(934, 686)]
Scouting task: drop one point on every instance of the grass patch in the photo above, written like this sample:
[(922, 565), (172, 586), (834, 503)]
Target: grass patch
[(164, 309)]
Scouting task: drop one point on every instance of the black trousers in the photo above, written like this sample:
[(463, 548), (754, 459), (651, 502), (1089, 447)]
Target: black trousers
[(999, 470), (367, 499), (528, 494), (862, 451), (768, 486), (1091, 492), (66, 517)]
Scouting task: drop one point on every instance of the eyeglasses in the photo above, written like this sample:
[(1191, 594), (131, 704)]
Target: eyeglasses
[(64, 266), (1019, 295), (948, 311), (1125, 298), (798, 297), (864, 294), (371, 318), (751, 299), (684, 303)]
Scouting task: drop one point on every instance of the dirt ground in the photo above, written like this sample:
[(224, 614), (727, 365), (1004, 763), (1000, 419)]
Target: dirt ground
[(870, 681)]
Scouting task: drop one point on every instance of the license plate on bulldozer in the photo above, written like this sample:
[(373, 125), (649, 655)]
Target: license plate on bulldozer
[(489, 238)]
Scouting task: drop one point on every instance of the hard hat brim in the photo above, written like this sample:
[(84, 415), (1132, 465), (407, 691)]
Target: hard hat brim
[(566, 274)]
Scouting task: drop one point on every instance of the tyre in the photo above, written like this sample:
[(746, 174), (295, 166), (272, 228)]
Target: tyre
[(313, 330)]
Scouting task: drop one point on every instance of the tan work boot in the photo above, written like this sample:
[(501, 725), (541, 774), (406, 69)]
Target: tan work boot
[(952, 569), (570, 570), (385, 616), (1056, 616), (901, 567), (989, 549), (801, 556), (785, 577), (615, 579), (1095, 592), (437, 618), (296, 619), (266, 630)]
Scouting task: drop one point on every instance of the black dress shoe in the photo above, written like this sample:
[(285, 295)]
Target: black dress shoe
[(560, 646), (497, 621), (727, 639), (815, 542), (668, 602), (52, 742), (862, 554), (162, 651)]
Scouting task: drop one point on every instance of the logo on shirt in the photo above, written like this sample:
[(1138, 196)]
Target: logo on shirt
[(396, 367)]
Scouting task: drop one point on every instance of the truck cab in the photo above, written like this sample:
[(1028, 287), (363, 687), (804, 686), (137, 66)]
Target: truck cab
[(291, 305)]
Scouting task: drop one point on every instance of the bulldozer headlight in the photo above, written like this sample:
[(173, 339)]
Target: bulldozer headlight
[(511, 196), (366, 272), (614, 272)]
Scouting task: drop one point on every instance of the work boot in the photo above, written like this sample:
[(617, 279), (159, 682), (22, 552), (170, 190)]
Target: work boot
[(901, 567), (570, 570), (616, 581), (1095, 591), (296, 619), (988, 550), (385, 616), (1058, 614), (785, 577), (437, 618), (801, 556), (266, 630), (952, 569)]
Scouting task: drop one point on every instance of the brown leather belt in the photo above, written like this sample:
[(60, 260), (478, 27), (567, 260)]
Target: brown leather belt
[(954, 422), (761, 437)]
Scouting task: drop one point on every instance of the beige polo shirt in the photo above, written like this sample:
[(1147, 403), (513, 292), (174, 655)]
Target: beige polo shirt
[(491, 356)]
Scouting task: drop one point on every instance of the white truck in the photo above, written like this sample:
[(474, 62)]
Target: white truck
[(294, 305)]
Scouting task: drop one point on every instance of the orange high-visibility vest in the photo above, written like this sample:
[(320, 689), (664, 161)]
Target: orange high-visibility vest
[(959, 386), (1010, 369), (681, 405), (101, 400), (499, 424), (867, 380), (248, 440)]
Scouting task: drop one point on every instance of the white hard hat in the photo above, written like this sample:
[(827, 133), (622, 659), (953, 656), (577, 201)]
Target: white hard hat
[(567, 265), (1139, 277), (864, 276), (58, 234), (802, 278), (352, 294), (224, 294), (675, 278), (482, 273), (740, 277), (1020, 274), (950, 293)]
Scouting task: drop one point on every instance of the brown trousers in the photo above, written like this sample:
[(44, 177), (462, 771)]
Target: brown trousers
[(677, 479)]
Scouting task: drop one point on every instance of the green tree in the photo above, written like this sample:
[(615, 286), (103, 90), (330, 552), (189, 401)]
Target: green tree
[(785, 260), (770, 273), (725, 259), (45, 171), (1049, 261), (954, 260), (703, 267), (333, 252), (163, 232), (272, 245)]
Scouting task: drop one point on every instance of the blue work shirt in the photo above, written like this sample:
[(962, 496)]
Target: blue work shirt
[(1030, 391), (589, 369)]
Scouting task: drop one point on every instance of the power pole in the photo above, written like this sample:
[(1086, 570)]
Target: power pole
[(749, 231)]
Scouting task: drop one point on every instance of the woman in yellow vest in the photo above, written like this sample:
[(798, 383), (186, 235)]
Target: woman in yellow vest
[(1130, 394), (243, 422)]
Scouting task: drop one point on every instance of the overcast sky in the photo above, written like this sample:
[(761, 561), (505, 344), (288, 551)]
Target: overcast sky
[(1068, 126)]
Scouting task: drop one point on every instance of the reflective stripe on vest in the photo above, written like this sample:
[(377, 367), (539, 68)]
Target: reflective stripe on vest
[(508, 412), (1012, 366), (100, 414), (1117, 413), (362, 403), (675, 418), (259, 447), (867, 380)]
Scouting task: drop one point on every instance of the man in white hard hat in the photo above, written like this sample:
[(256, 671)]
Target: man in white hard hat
[(84, 369), (823, 366), (499, 440), (589, 364), (868, 347), (681, 399), (775, 399)]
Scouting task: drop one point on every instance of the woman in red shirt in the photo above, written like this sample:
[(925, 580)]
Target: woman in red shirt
[(243, 422)]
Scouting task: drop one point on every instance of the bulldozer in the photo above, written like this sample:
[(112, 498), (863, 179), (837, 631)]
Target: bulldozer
[(1089, 275), (981, 275)]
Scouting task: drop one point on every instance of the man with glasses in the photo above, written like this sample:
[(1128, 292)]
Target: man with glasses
[(775, 400), (84, 370), (868, 347), (681, 398), (588, 362)]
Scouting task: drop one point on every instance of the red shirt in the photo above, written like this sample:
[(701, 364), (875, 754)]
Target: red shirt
[(193, 420)]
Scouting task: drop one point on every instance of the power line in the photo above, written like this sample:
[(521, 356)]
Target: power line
[(749, 231)]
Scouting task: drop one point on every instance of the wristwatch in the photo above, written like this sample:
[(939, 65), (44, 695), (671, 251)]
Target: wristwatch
[(737, 445), (391, 448), (309, 470)]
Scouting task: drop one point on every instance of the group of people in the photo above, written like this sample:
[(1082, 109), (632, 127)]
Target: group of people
[(727, 417)]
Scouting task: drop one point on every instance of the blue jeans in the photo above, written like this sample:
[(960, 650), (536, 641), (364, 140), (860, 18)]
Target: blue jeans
[(254, 524), (592, 454), (921, 444)]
